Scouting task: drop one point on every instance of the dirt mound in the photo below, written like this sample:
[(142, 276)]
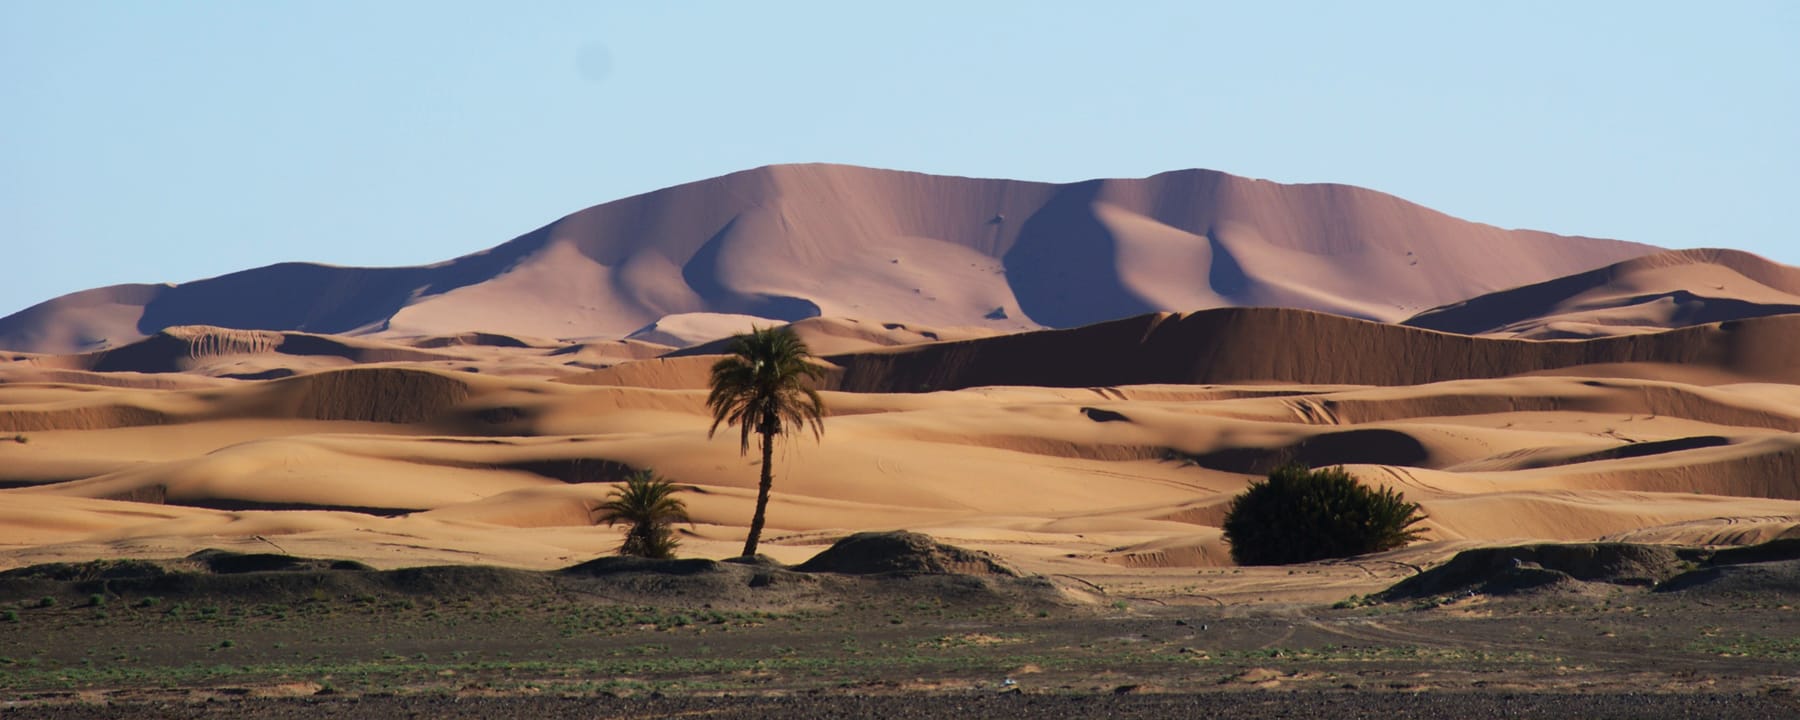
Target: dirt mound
[(1780, 578), (222, 574), (902, 553), (1509, 570), (226, 562), (1787, 548), (88, 571), (911, 566), (1771, 567)]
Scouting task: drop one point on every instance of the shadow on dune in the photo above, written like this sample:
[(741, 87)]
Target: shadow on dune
[(1255, 345), (1351, 447), (323, 298), (1064, 269), (702, 273)]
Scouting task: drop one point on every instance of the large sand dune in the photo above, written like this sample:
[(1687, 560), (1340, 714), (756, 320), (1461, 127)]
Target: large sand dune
[(796, 241)]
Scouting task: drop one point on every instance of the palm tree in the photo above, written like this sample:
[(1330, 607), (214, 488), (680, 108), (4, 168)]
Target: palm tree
[(761, 387), (648, 504)]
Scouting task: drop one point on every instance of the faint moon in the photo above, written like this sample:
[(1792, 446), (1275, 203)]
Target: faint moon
[(594, 62)]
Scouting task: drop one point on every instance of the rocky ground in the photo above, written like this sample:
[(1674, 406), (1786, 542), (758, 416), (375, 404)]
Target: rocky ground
[(1298, 704), (704, 639)]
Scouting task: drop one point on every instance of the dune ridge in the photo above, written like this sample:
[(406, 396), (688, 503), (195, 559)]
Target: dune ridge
[(386, 395), (1645, 294), (1248, 345), (189, 348)]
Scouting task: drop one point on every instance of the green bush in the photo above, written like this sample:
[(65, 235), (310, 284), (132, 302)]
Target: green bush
[(1299, 515), (647, 505)]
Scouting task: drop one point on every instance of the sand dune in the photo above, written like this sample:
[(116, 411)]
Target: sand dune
[(790, 242), (1646, 294), (476, 339), (393, 465), (688, 329), (200, 353), (1247, 345), (216, 351), (381, 395)]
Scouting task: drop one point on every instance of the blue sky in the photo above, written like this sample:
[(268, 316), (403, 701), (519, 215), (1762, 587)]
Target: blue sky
[(149, 142)]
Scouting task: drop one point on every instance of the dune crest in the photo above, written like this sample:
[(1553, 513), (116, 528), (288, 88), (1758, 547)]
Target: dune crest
[(1646, 294)]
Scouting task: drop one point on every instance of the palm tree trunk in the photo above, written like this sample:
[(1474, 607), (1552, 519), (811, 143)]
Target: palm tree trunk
[(762, 492)]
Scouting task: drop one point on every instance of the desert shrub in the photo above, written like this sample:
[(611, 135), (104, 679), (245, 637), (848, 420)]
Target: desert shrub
[(1299, 514), (647, 506)]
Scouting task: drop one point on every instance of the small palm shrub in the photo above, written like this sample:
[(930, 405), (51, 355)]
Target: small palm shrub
[(1299, 515), (647, 505)]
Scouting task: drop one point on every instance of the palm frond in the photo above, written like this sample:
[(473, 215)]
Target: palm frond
[(648, 506), (764, 385)]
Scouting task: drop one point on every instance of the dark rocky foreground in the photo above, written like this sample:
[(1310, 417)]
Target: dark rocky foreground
[(1566, 631), (1273, 704)]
